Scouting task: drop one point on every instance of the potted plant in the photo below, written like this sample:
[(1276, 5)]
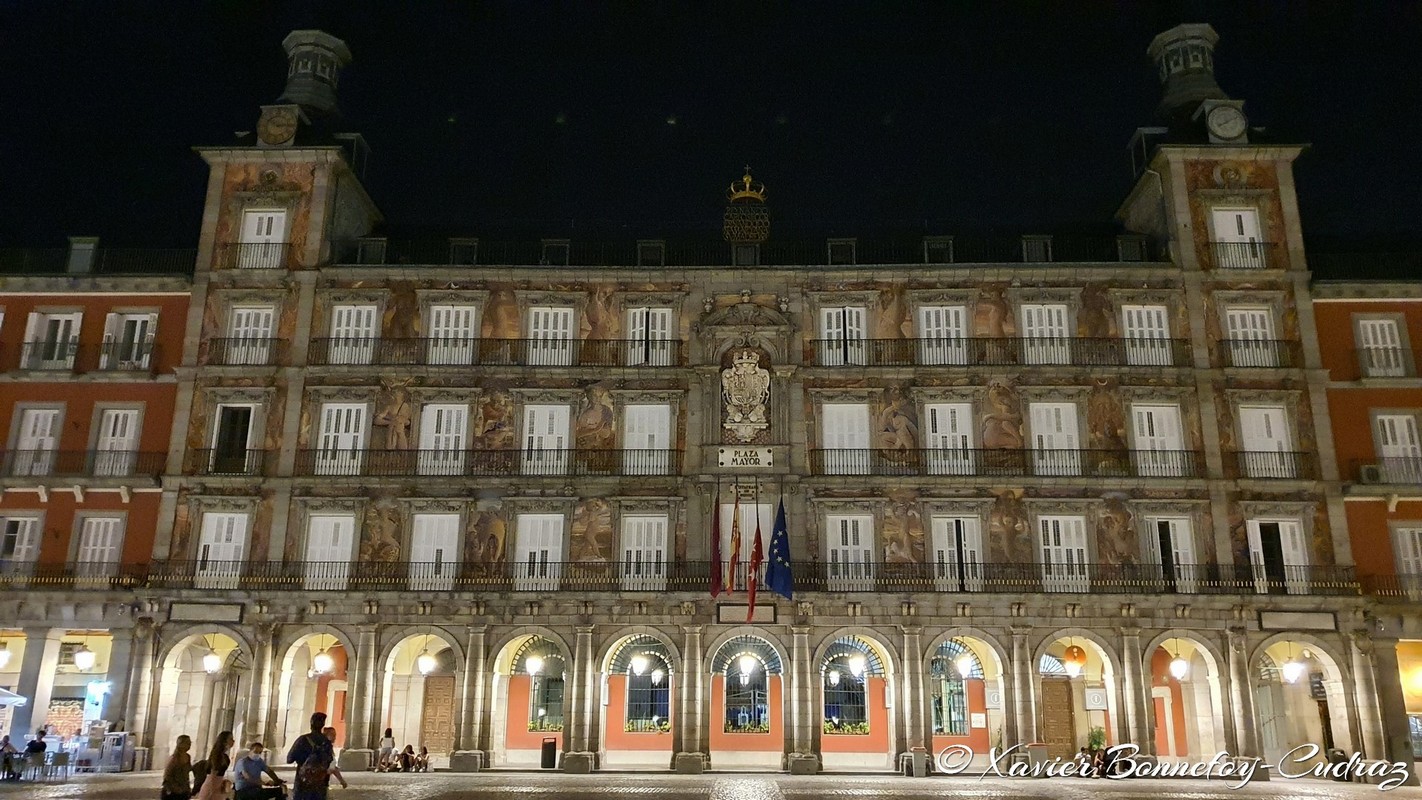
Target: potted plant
[(1096, 739)]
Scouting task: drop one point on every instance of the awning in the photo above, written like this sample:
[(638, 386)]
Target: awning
[(9, 698)]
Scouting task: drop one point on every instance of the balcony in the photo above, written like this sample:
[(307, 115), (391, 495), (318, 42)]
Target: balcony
[(1407, 588), (123, 356), (209, 461), (244, 352), (1257, 353), (71, 356), (1394, 471), (264, 255), (1272, 465), (53, 354), (1010, 463), (101, 261), (1004, 351), (1245, 255), (82, 463), (486, 463), (497, 352), (694, 576)]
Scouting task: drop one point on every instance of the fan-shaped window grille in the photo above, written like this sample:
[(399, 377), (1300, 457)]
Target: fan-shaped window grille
[(645, 662), (546, 676), (847, 665), (728, 657), (747, 662), (1051, 665), (1268, 671), (950, 690)]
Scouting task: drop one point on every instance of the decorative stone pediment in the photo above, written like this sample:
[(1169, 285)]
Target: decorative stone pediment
[(840, 505), (433, 505), (364, 296), (1153, 296), (219, 503), (442, 395), (224, 394), (329, 505), (647, 505), (528, 298), (561, 396), (1078, 508), (539, 505), (341, 394), (1045, 294), (1142, 509), (956, 508), (671, 300), (625, 396), (452, 296), (1255, 509), (1055, 394), (843, 395), (944, 297), (947, 394), (746, 315)]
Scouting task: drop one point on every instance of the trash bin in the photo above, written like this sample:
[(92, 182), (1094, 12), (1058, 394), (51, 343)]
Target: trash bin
[(550, 754), (1037, 759), (919, 758)]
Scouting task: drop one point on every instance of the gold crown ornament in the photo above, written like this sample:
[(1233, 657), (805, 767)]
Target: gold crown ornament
[(746, 190)]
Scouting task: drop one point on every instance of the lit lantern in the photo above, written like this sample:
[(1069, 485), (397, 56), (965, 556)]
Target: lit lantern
[(212, 662), (1074, 660), (533, 665), (1179, 668), (426, 663), (4, 654), (1293, 670), (639, 664), (833, 677), (658, 675), (747, 664), (964, 663), (745, 680), (857, 664), (323, 663), (84, 658)]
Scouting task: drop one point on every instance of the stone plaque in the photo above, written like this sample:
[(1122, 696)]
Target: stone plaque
[(746, 457), (1297, 620), (205, 612), (735, 614)]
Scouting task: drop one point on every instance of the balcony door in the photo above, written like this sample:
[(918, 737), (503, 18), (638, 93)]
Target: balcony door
[(950, 438), (341, 445), (1063, 550), (1158, 444), (1407, 545), (1147, 334), (1380, 349), (646, 439), (545, 440), (1240, 246), (442, 430), (116, 447), (353, 335), (844, 433), (842, 329), (942, 335), (538, 552), (1399, 448), (231, 440), (957, 551), (263, 242), (1045, 334), (35, 446), (550, 333), (330, 542), (1268, 448), (1278, 555), (1055, 439), (250, 336), (128, 341), (222, 545), (100, 547), (644, 553), (52, 340), (649, 337), (454, 334), (850, 544), (19, 545), (1251, 337), (434, 552), (1173, 547)]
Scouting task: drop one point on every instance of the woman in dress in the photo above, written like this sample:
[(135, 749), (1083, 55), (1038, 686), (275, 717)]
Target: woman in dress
[(214, 785), (177, 775)]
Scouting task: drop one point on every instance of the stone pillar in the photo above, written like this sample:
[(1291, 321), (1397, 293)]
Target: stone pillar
[(1023, 719), (691, 704), (467, 757), (1369, 737), (914, 703), (36, 680), (804, 757), (1241, 698), (259, 689), (581, 692), (142, 669), (362, 691), (1136, 692), (1387, 685), (120, 675)]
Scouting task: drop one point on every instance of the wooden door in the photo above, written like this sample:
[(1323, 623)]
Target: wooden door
[(437, 719), (1058, 719)]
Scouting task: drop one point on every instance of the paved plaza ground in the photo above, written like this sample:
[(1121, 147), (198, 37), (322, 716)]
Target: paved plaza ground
[(605, 786)]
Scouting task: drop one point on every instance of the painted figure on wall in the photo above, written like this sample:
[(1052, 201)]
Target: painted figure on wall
[(501, 316), (1106, 426), (1009, 532), (484, 542), (903, 529), (396, 414), (1097, 318), (402, 311), (380, 535), (991, 315), (1002, 419), (593, 429), (897, 423), (590, 535), (600, 320), (1116, 541), (892, 320), (494, 425)]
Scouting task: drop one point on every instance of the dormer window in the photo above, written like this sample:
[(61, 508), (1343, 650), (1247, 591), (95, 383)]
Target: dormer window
[(555, 252)]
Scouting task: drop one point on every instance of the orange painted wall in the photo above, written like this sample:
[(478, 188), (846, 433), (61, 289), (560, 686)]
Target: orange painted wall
[(877, 740), (1160, 676), (979, 739), (79, 399), (1351, 413), (614, 737), (172, 313), (519, 737), (335, 717), (1371, 538), (774, 741), (1335, 332), (58, 529)]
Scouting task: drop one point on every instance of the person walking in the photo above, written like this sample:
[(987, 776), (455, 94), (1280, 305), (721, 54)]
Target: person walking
[(214, 786), (330, 734), (312, 754), (177, 775)]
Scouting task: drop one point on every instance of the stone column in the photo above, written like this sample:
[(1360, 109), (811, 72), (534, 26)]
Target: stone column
[(914, 703), (804, 758), (580, 691), (467, 756), (36, 680), (120, 675), (143, 667), (1136, 692), (691, 702), (362, 690), (1370, 715), (1241, 699), (259, 689), (1387, 686), (1023, 719)]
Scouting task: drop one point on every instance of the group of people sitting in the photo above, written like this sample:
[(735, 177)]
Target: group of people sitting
[(406, 760), (15, 760)]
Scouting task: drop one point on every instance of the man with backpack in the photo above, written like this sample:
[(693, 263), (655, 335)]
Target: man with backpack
[(312, 754)]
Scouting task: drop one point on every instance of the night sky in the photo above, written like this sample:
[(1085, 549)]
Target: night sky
[(591, 117)]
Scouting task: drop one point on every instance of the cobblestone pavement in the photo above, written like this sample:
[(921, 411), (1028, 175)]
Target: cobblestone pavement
[(730, 786)]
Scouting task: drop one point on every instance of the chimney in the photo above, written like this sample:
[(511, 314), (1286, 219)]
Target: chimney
[(314, 61), (1185, 57)]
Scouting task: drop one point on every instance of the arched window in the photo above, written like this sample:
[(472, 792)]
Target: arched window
[(844, 673), (1051, 665), (546, 672), (953, 665), (746, 664), (645, 662)]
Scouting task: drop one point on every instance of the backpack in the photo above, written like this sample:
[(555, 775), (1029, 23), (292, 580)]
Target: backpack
[(316, 769)]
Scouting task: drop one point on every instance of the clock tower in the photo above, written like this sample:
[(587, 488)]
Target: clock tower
[(1184, 56)]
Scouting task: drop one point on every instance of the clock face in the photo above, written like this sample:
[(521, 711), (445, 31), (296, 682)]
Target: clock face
[(277, 125), (1227, 122)]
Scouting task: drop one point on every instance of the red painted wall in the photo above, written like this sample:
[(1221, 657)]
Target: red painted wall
[(1371, 538), (979, 739), (614, 737), (58, 527), (1336, 343), (172, 313), (1351, 413), (774, 741), (1160, 676), (335, 717), (519, 737), (877, 740)]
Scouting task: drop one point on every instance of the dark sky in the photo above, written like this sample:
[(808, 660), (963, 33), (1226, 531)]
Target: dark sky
[(959, 116)]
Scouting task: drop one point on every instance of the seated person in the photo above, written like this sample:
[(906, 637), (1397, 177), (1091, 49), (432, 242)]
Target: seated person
[(248, 773), (422, 761), (407, 759)]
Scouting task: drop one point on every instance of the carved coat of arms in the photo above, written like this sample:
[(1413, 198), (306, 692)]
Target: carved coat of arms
[(745, 388)]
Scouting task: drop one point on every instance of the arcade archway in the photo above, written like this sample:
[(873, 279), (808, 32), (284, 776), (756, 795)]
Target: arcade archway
[(420, 705), (637, 690), (747, 718), (856, 715), (1187, 701), (530, 676)]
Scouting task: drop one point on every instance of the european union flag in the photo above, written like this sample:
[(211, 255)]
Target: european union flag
[(779, 575)]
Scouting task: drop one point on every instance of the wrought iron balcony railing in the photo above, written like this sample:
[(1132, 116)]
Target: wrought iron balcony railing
[(1001, 351), (225, 461), (1393, 470), (49, 354), (497, 352), (70, 356), (1268, 353), (1270, 464), (1010, 463), (244, 352), (1245, 255), (465, 463), (1406, 587), (694, 576), (263, 255), (124, 356), (82, 463)]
